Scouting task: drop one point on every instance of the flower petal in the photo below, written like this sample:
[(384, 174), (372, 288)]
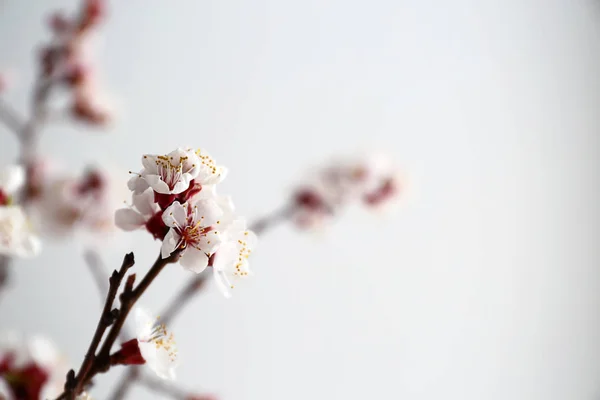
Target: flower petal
[(144, 202), (128, 219), (175, 215), (170, 243), (137, 184), (156, 182), (12, 178), (222, 282), (194, 260)]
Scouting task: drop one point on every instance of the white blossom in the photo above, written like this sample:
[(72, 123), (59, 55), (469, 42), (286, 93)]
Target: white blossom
[(17, 237), (231, 259), (194, 228), (139, 213), (157, 345), (170, 173)]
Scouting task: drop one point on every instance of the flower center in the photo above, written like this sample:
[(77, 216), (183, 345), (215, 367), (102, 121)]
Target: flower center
[(162, 338), (170, 173)]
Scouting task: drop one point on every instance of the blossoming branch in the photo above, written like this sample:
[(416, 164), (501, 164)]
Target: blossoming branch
[(173, 197)]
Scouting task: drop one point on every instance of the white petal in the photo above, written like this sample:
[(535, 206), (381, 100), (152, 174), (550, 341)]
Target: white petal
[(175, 215), (12, 178), (137, 184), (128, 219), (156, 182), (208, 211), (183, 184), (144, 202), (170, 243), (194, 260), (149, 163), (143, 323)]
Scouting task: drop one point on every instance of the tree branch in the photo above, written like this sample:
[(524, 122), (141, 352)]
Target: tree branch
[(98, 271), (107, 318), (128, 298)]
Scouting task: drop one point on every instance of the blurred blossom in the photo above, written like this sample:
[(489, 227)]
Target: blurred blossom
[(154, 346), (30, 367), (17, 237), (67, 204), (174, 198), (66, 60), (372, 181)]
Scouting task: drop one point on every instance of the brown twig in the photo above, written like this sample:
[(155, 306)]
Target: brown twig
[(128, 298), (98, 271), (107, 318)]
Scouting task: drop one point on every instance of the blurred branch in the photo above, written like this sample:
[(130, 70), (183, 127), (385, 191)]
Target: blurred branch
[(101, 277), (11, 118)]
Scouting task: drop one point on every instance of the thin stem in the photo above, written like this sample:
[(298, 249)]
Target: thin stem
[(194, 285), (269, 221), (125, 383), (98, 271), (130, 295), (106, 319), (160, 387)]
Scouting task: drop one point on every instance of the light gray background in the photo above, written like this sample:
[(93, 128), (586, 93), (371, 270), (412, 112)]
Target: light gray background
[(485, 284)]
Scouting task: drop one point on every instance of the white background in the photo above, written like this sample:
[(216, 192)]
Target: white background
[(484, 286)]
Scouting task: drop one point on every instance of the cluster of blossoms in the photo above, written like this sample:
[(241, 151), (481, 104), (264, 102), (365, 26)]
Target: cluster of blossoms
[(17, 238), (64, 61), (175, 199), (371, 181), (63, 204)]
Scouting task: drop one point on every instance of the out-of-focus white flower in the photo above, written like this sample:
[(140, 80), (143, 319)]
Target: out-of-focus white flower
[(84, 396), (17, 237), (231, 259), (31, 366), (171, 173), (66, 204), (157, 345), (194, 228), (12, 178), (153, 345), (371, 180)]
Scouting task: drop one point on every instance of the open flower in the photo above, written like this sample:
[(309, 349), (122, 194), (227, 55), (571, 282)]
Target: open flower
[(231, 259), (171, 173), (194, 230), (153, 345)]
